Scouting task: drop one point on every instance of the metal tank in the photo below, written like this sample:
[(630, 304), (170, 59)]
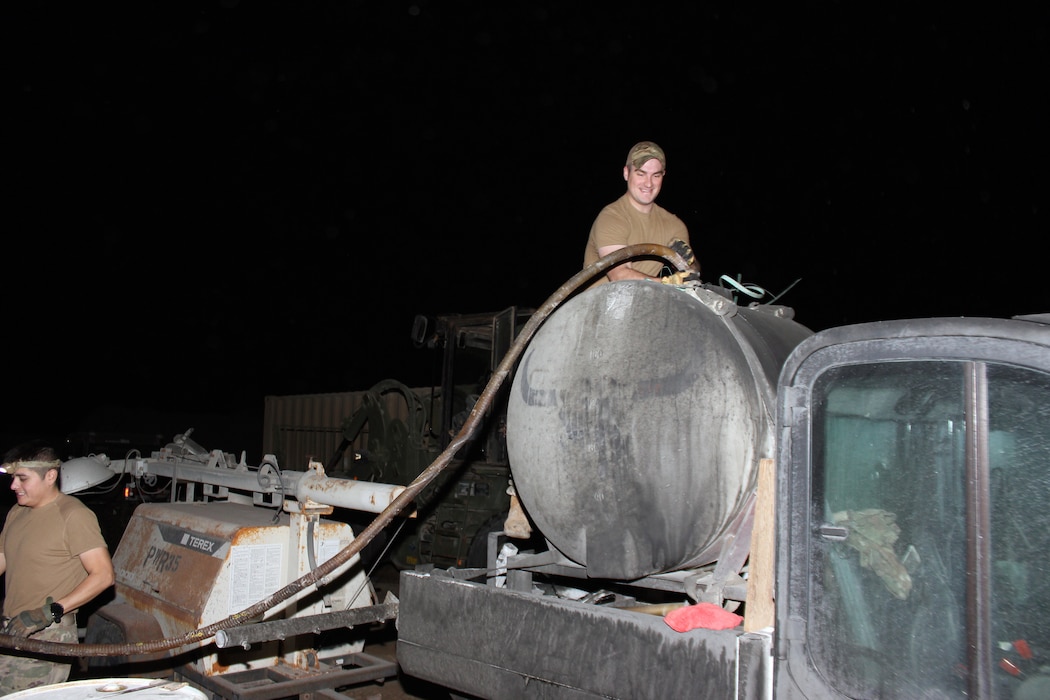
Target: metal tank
[(637, 419)]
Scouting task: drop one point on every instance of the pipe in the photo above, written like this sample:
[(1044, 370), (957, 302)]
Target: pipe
[(366, 496), (402, 500)]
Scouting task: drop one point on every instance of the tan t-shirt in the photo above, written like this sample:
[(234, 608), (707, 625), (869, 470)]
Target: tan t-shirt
[(42, 547), (620, 223)]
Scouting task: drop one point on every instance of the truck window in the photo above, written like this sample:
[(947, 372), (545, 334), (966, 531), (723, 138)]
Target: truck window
[(931, 499)]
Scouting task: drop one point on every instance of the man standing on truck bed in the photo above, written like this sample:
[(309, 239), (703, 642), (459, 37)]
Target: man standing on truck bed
[(636, 218), (55, 560)]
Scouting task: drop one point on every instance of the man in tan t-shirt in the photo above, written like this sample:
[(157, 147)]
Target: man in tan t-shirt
[(636, 218), (55, 560)]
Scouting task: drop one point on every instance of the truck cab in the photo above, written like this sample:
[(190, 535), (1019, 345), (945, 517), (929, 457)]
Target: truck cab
[(914, 511)]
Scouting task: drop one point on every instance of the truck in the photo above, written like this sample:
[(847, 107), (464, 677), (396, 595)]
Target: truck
[(706, 499), (871, 501)]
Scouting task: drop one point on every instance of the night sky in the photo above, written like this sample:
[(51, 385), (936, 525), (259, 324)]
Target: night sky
[(217, 201)]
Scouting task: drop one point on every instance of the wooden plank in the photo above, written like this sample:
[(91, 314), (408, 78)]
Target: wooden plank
[(759, 612)]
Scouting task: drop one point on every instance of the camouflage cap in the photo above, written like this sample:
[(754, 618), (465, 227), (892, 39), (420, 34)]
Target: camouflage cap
[(644, 151)]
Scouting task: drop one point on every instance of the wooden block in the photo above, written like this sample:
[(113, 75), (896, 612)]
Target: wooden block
[(759, 611)]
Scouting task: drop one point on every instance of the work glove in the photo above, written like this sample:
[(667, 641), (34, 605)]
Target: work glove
[(680, 278), (27, 622), (682, 248)]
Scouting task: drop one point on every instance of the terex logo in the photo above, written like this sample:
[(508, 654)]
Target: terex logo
[(199, 543), (211, 546)]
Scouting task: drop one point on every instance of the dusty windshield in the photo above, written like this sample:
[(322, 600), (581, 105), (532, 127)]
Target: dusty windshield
[(906, 455)]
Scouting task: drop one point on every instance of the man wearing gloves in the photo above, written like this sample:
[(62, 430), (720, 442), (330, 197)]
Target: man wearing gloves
[(55, 560), (636, 218)]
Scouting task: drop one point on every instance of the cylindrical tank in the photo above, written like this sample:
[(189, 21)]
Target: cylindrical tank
[(636, 421)]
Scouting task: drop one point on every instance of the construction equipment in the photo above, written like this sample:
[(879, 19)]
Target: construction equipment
[(229, 536), (217, 537)]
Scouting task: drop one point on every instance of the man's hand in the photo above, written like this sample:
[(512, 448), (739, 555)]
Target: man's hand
[(27, 622), (682, 248), (680, 278)]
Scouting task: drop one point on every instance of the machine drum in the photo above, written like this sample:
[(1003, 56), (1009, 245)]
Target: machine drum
[(636, 422)]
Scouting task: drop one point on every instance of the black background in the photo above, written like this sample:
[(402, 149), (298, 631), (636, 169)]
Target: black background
[(211, 202)]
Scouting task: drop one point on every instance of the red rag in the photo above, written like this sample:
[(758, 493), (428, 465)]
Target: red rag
[(705, 615)]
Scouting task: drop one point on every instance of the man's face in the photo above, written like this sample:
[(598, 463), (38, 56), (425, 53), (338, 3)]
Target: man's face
[(31, 489), (643, 184)]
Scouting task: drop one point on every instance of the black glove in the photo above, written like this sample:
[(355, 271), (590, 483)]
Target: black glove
[(27, 622), (682, 248), (680, 278)]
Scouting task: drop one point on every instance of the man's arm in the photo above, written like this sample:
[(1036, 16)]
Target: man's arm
[(100, 577), (3, 563), (611, 228), (623, 271)]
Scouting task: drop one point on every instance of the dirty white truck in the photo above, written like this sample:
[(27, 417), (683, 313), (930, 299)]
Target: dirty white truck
[(873, 501), (711, 501)]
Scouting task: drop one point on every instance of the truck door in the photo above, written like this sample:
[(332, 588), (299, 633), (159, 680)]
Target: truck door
[(913, 503)]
